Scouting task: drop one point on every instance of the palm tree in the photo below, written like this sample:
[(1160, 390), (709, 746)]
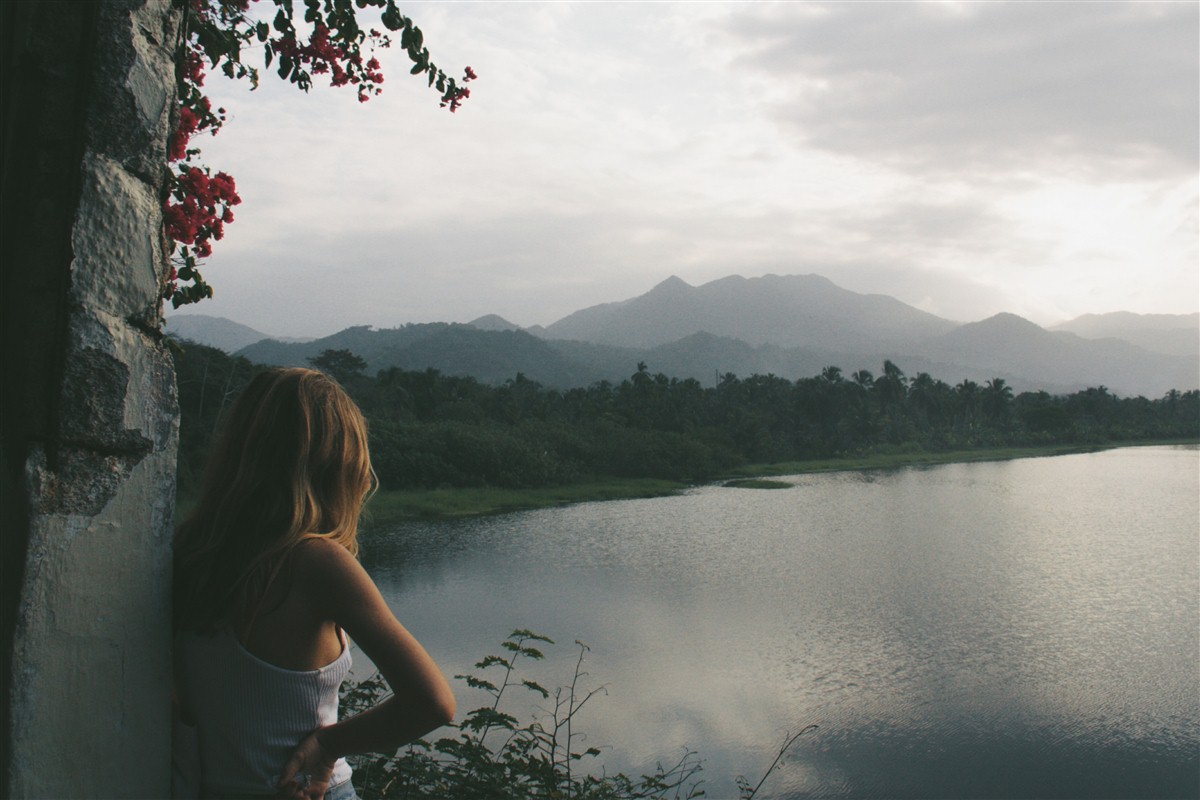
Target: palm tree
[(922, 394), (997, 399), (968, 402), (891, 385), (860, 415)]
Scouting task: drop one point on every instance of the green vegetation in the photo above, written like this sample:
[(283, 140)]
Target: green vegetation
[(387, 506), (896, 460), (492, 755), (756, 483), (522, 445)]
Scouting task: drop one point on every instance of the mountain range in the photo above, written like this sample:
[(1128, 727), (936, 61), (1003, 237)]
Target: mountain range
[(791, 325)]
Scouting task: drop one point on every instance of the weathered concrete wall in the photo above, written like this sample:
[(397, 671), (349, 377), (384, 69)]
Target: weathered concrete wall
[(90, 424)]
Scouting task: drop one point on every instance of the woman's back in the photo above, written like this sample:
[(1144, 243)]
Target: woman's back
[(292, 629), (250, 714), (267, 587), (256, 687)]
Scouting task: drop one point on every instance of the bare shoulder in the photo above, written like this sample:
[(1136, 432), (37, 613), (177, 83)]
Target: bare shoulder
[(341, 591), (332, 577), (316, 555)]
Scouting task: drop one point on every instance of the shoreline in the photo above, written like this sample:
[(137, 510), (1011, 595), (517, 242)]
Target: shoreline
[(403, 505)]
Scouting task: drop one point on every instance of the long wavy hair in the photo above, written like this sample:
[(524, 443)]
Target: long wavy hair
[(291, 463)]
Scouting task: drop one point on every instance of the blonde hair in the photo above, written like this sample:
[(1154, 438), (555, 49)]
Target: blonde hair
[(291, 464)]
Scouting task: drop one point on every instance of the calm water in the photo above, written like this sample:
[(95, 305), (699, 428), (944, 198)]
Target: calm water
[(1016, 629)]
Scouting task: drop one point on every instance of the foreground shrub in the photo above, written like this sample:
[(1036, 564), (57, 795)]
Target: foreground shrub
[(493, 756)]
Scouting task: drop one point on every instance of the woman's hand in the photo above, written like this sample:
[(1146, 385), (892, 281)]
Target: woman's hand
[(307, 773)]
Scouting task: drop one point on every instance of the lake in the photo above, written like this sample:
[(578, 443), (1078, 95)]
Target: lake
[(1025, 628)]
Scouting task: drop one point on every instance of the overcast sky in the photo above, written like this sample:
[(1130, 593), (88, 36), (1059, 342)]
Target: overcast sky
[(966, 158)]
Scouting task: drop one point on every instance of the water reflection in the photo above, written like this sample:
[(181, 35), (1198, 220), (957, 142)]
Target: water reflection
[(1024, 628)]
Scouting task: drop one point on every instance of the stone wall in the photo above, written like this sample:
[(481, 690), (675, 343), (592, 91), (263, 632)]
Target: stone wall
[(89, 421)]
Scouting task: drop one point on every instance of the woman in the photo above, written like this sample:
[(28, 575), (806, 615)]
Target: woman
[(267, 586)]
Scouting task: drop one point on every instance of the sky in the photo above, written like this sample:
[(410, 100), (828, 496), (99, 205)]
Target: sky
[(967, 158)]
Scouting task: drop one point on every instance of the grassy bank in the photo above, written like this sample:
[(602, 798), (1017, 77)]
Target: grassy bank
[(392, 506), (896, 460)]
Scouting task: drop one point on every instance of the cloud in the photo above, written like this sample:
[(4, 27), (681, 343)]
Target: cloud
[(986, 86), (971, 158)]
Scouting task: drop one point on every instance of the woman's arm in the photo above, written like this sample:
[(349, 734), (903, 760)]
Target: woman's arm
[(340, 590)]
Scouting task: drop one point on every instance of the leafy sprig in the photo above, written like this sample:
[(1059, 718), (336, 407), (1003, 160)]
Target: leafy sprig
[(494, 755)]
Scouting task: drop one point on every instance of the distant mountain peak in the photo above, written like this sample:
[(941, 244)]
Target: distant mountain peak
[(219, 332), (672, 284), (493, 322), (1004, 326), (787, 310), (1009, 320), (1175, 334), (808, 277)]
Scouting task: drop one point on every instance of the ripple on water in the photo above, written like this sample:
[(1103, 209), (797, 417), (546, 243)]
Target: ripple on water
[(1023, 628)]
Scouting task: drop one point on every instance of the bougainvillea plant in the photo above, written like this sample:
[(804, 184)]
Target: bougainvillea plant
[(214, 35)]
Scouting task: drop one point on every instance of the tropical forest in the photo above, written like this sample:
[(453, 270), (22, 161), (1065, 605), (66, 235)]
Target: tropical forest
[(433, 431)]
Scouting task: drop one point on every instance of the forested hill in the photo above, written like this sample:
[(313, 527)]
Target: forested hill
[(789, 326), (490, 356), (1011, 345), (1026, 356), (429, 429)]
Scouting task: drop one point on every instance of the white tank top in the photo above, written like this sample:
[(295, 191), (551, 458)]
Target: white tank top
[(250, 714)]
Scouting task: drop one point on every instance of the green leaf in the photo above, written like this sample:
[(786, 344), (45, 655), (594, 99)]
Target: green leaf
[(490, 661), (416, 69), (282, 23), (482, 718), (478, 683), (262, 30), (536, 687)]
